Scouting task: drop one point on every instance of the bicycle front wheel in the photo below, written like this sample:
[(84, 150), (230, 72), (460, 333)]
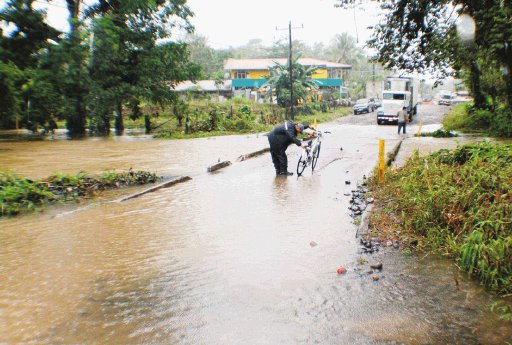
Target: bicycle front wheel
[(301, 164), (316, 154)]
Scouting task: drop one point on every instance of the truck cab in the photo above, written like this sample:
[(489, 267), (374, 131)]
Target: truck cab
[(392, 103), (399, 92)]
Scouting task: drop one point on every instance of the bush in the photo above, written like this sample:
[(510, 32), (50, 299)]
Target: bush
[(18, 194), (501, 123), (465, 118), (460, 203), (440, 133)]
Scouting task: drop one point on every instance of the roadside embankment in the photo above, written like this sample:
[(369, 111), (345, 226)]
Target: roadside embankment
[(455, 202)]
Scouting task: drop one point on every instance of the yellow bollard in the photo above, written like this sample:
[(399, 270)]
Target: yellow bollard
[(419, 129), (314, 123), (381, 161)]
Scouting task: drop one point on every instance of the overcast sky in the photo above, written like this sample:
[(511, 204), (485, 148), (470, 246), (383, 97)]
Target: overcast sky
[(234, 22)]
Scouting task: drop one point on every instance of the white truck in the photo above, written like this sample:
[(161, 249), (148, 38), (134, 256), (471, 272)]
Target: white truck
[(399, 92)]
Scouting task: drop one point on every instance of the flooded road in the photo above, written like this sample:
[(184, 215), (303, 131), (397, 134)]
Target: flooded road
[(234, 257)]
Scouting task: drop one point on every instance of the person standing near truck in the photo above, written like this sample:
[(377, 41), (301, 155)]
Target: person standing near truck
[(403, 118)]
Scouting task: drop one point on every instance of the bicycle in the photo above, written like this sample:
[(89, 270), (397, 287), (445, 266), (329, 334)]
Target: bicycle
[(310, 153)]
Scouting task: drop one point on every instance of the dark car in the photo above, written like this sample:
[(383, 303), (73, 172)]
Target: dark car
[(363, 105), (376, 103)]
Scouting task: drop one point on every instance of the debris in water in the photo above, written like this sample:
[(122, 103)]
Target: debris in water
[(341, 270), (376, 266), (313, 244)]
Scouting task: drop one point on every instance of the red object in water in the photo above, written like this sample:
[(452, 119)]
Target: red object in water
[(341, 270)]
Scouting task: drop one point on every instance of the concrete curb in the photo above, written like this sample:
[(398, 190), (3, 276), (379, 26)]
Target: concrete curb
[(392, 155), (253, 154), (241, 158), (218, 166), (363, 227), (157, 187)]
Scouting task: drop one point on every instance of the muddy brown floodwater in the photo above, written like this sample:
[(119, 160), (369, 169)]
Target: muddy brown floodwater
[(234, 257)]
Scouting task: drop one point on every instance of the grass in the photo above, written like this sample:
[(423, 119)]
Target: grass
[(457, 203), (19, 195), (466, 118)]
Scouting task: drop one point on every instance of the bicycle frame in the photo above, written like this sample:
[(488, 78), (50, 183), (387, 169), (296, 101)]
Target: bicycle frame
[(310, 154)]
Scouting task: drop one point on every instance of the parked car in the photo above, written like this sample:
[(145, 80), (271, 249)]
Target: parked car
[(363, 105), (346, 102), (376, 102), (446, 98)]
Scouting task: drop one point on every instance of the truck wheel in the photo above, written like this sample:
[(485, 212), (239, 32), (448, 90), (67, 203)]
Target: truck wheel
[(379, 122)]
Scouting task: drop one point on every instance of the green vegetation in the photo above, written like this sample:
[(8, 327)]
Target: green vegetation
[(108, 69), (457, 203), (466, 118), (111, 60), (279, 82), (205, 118), (504, 311), (18, 195), (440, 133)]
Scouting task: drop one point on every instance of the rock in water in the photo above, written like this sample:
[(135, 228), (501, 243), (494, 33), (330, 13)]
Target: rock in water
[(376, 266)]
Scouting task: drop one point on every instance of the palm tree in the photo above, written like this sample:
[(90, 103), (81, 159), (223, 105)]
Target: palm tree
[(343, 49), (279, 80)]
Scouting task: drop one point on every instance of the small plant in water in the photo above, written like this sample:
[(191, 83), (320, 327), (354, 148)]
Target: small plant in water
[(19, 194), (504, 311)]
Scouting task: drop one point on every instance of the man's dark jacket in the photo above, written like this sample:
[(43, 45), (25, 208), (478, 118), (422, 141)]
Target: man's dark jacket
[(284, 135)]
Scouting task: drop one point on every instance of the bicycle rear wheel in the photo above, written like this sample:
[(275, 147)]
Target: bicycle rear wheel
[(301, 164), (316, 154)]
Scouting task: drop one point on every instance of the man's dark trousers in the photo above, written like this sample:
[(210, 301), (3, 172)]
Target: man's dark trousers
[(279, 158), (401, 125)]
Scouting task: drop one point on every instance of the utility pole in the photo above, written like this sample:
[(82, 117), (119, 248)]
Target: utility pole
[(290, 63)]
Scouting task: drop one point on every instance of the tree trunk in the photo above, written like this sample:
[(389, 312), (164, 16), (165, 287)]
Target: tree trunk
[(479, 98), (105, 125), (508, 90), (76, 118), (119, 120)]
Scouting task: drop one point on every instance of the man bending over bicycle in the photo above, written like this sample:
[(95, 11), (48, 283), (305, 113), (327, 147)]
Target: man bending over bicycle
[(279, 139)]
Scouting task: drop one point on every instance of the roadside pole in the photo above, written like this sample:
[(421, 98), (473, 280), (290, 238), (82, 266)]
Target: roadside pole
[(381, 161)]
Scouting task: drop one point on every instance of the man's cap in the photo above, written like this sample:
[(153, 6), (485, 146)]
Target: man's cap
[(302, 126)]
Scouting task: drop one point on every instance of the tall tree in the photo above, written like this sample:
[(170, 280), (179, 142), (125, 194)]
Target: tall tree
[(205, 56), (343, 49), (127, 63), (21, 49), (11, 102), (30, 33), (422, 36), (76, 81)]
